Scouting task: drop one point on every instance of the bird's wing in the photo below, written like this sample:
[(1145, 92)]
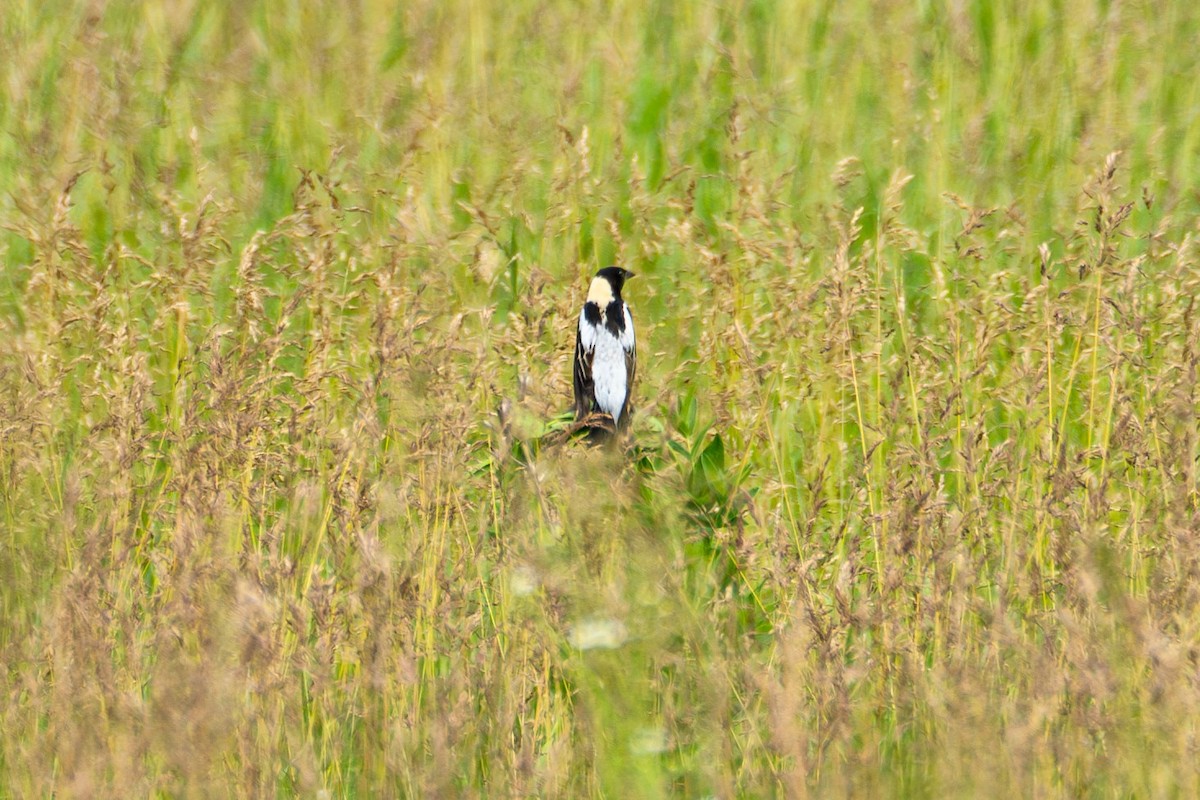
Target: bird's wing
[(629, 345), (585, 351)]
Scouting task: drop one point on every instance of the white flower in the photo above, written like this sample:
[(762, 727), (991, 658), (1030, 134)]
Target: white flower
[(523, 581), (648, 741), (606, 633)]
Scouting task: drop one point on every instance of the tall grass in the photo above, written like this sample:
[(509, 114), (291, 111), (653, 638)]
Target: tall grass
[(286, 314)]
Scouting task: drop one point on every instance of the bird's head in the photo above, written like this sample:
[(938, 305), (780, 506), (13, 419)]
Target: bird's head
[(614, 277)]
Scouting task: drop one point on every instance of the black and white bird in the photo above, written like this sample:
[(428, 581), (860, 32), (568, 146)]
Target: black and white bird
[(605, 353)]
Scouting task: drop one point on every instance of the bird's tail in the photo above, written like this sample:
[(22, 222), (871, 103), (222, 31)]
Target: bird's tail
[(597, 427)]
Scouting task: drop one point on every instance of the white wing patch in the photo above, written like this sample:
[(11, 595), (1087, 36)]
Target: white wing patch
[(587, 333), (627, 334), (608, 374)]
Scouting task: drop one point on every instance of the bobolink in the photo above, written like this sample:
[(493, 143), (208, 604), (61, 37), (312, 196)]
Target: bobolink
[(605, 356)]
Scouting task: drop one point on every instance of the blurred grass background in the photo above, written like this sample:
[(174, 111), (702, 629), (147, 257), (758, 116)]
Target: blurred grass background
[(286, 308)]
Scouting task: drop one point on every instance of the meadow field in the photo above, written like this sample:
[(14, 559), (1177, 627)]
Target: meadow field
[(909, 507)]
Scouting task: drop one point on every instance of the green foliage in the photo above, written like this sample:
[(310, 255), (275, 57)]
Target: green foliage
[(713, 487)]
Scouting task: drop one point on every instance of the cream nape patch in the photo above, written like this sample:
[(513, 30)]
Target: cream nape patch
[(600, 293)]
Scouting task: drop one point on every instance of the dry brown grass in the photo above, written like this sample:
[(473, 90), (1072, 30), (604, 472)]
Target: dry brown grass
[(909, 505)]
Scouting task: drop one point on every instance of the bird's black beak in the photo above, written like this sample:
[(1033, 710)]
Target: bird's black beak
[(629, 274)]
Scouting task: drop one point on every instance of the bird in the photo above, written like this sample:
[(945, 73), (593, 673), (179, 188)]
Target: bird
[(605, 355)]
